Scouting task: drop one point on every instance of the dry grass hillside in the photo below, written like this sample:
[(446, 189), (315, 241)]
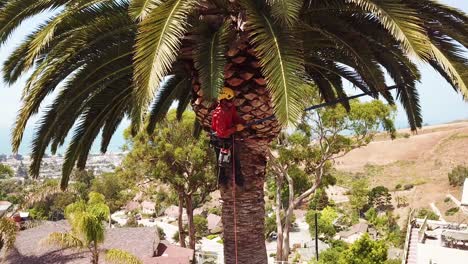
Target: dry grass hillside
[(423, 159)]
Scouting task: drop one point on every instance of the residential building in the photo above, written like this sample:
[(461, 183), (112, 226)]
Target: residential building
[(436, 242), (137, 241), (148, 207), (354, 233)]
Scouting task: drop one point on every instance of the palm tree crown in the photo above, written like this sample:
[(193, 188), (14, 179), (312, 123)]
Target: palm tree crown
[(108, 58)]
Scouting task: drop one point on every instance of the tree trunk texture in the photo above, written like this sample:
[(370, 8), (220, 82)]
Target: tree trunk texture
[(253, 102), (279, 221), (191, 225), (180, 221), (249, 218)]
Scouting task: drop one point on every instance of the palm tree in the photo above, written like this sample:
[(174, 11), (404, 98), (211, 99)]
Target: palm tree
[(110, 57), (87, 230)]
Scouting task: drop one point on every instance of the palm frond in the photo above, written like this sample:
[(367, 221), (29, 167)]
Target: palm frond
[(167, 94), (281, 61), (63, 240), (139, 9), (158, 42), (401, 21), (118, 256), (286, 11), (209, 58)]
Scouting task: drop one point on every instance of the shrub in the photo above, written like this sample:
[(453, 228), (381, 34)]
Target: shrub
[(457, 176), (211, 237), (447, 200), (398, 187), (408, 187), (451, 211), (423, 212)]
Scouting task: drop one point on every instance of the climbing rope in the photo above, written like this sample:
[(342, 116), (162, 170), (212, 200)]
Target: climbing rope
[(233, 161), (333, 102)]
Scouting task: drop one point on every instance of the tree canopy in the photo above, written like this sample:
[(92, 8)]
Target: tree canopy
[(112, 57)]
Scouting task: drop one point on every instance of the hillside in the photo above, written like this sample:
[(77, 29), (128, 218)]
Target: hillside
[(422, 159)]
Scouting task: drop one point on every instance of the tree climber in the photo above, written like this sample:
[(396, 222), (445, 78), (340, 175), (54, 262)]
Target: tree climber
[(224, 123)]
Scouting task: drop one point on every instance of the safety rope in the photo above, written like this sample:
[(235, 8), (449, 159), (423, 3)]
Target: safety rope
[(332, 102), (233, 161)]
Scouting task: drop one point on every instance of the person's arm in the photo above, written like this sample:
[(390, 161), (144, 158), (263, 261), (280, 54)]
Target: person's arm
[(236, 118)]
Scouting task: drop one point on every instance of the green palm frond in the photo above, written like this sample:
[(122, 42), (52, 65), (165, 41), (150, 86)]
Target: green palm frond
[(118, 256), (281, 61), (401, 21), (286, 11), (8, 231), (455, 73), (63, 240), (167, 94), (139, 9), (89, 226), (13, 13), (209, 58), (158, 41)]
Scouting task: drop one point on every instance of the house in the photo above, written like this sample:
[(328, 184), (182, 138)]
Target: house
[(170, 254), (132, 206), (429, 241), (148, 207), (464, 200), (4, 206), (354, 233), (308, 251), (214, 224), (137, 241), (173, 212)]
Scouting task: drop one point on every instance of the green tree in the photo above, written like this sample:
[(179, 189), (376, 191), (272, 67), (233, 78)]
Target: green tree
[(114, 55), (87, 230), (6, 171), (183, 163), (380, 198), (201, 226), (303, 159), (365, 251), (359, 195), (326, 219), (113, 187), (458, 175)]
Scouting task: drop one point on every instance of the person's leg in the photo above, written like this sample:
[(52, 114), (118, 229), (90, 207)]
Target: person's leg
[(222, 178)]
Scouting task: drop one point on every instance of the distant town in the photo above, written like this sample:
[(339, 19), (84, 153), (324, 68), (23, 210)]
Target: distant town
[(52, 164)]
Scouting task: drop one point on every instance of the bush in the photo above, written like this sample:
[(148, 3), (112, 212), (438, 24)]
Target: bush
[(422, 213), (452, 211), (211, 237), (457, 176), (447, 200), (398, 187), (408, 187)]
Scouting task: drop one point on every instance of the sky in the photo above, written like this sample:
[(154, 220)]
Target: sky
[(439, 102)]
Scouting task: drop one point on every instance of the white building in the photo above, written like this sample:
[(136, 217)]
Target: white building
[(436, 242), (148, 207), (464, 200)]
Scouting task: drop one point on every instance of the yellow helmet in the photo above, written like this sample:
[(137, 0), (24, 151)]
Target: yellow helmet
[(226, 93)]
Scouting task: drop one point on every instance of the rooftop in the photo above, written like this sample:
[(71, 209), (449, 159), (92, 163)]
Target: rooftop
[(137, 241)]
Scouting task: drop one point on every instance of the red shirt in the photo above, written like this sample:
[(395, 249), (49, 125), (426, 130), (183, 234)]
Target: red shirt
[(223, 121)]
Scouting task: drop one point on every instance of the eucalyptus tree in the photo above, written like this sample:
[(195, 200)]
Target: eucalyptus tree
[(108, 58)]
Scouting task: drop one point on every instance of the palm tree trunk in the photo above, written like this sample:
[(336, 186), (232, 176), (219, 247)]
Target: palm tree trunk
[(248, 222), (191, 225), (180, 220), (253, 102)]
